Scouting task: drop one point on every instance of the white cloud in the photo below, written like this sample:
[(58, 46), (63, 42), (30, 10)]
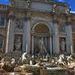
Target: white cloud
[(72, 11)]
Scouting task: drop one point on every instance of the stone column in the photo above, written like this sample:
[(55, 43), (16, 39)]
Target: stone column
[(69, 43), (26, 35), (50, 46), (55, 38), (10, 36), (32, 45)]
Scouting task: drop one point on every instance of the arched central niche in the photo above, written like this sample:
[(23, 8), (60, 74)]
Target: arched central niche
[(41, 28), (41, 40)]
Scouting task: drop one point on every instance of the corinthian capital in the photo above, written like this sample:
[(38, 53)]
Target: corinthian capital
[(11, 15)]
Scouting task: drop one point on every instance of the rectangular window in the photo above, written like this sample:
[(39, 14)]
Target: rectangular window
[(1, 42), (62, 28), (2, 21)]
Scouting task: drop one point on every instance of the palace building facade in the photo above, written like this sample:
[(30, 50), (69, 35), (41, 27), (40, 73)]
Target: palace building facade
[(36, 26)]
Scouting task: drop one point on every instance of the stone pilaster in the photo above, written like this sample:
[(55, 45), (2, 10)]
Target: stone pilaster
[(55, 39), (10, 36), (26, 35), (32, 45), (69, 43)]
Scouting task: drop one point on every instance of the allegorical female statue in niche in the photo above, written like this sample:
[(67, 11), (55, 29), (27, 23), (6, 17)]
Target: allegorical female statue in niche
[(63, 45)]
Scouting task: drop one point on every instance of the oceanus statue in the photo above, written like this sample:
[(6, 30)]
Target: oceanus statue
[(42, 48)]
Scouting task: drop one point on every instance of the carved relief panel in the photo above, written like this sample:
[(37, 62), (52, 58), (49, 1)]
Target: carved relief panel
[(40, 6), (19, 25)]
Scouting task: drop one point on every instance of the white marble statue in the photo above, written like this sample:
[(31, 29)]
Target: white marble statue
[(24, 56), (60, 60), (2, 62), (13, 61), (42, 47)]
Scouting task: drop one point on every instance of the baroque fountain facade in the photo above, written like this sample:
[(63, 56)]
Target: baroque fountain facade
[(32, 32), (32, 26)]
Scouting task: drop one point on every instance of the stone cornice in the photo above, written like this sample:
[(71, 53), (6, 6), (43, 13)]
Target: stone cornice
[(46, 2), (29, 8)]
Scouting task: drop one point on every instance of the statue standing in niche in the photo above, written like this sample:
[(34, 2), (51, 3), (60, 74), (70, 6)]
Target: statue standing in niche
[(18, 43), (62, 45), (42, 48)]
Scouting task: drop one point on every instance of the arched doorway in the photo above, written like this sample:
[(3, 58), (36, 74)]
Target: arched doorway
[(40, 39)]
